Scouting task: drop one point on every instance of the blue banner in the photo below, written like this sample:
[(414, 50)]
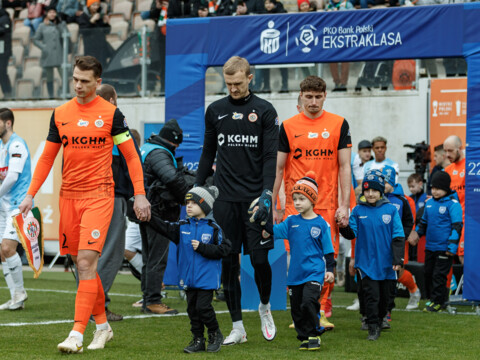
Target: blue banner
[(344, 36)]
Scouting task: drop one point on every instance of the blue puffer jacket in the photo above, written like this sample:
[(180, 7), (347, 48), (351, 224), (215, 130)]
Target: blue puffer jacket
[(201, 268), (442, 223), (380, 238)]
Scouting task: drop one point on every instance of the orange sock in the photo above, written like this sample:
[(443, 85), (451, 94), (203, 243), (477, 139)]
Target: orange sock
[(84, 302), (98, 311), (408, 281), (326, 294)]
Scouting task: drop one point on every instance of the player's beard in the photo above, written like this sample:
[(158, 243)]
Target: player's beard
[(457, 158)]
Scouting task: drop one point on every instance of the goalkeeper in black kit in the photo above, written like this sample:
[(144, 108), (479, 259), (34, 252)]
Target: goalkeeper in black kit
[(241, 130)]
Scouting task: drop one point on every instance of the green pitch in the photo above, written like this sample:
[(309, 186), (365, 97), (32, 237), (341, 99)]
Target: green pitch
[(48, 316)]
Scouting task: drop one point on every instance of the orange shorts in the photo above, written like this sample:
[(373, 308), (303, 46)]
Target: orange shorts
[(328, 216), (84, 224)]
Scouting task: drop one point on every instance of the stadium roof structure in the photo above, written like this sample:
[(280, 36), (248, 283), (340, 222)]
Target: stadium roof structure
[(437, 31)]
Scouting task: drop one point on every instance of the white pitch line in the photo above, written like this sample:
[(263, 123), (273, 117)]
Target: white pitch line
[(52, 322), (74, 292)]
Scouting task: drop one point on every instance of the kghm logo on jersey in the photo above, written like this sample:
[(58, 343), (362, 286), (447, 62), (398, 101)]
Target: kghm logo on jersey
[(315, 232), (238, 140), (386, 218), (313, 154), (206, 238), (84, 142)]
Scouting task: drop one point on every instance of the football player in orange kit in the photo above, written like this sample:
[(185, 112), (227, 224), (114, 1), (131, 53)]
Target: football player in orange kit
[(88, 127), (320, 141), (454, 150)]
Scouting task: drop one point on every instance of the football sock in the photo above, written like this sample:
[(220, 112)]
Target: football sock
[(103, 326), (137, 262), (408, 281), (14, 264), (84, 303), (98, 310), (8, 278), (238, 325), (326, 294), (77, 334)]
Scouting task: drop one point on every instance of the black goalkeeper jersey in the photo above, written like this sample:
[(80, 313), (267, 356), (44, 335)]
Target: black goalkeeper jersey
[(243, 134)]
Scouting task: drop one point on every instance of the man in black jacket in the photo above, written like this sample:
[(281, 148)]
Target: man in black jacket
[(5, 51), (166, 189)]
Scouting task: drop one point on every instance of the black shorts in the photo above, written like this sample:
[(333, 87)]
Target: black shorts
[(234, 220)]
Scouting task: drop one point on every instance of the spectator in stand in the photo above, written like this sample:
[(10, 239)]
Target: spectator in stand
[(262, 76), (249, 7), (226, 8), (159, 13), (454, 150), (5, 52), (35, 15), (379, 146), (201, 8), (415, 185), (340, 79), (94, 26), (441, 162), (364, 155), (68, 10), (306, 6), (180, 9), (48, 38)]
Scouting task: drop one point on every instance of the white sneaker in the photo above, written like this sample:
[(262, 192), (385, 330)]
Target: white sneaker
[(236, 337), (6, 305), (414, 300), (100, 338), (71, 345), (268, 326), (355, 306), (18, 298)]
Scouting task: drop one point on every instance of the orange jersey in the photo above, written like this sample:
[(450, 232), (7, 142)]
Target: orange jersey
[(457, 174), (88, 133), (313, 144)]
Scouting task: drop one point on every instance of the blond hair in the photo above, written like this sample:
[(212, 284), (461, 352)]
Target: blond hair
[(236, 64)]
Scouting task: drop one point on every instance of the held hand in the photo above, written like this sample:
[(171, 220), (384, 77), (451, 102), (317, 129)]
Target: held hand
[(448, 253), (195, 244), (329, 277), (26, 205), (278, 216), (351, 267), (142, 209), (341, 216), (413, 238), (262, 214), (396, 267)]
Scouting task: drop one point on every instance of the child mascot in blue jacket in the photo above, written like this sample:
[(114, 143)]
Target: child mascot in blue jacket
[(201, 246), (441, 224), (379, 248)]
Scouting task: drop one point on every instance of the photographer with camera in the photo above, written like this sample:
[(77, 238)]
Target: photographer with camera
[(166, 190)]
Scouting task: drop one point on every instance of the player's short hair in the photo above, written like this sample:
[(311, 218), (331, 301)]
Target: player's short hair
[(89, 63), (6, 114), (439, 148), (379, 139), (106, 91), (414, 177), (313, 83), (236, 64)]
